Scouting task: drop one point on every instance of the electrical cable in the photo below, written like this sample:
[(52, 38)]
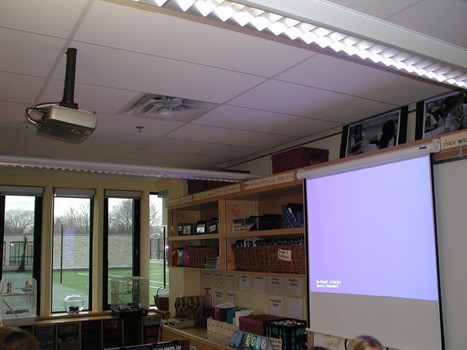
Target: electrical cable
[(39, 108)]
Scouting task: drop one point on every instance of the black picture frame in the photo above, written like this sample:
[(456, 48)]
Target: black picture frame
[(433, 115), (377, 132)]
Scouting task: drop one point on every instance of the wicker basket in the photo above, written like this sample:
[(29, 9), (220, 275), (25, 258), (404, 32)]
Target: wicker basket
[(162, 303), (287, 259), (251, 258), (270, 258), (197, 255)]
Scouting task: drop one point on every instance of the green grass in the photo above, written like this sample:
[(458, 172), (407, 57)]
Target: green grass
[(78, 279)]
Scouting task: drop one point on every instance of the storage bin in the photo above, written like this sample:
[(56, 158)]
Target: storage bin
[(270, 258), (264, 222), (251, 258), (185, 229), (298, 158), (213, 225), (291, 331), (161, 299), (258, 223), (201, 227), (287, 259), (255, 323), (197, 255)]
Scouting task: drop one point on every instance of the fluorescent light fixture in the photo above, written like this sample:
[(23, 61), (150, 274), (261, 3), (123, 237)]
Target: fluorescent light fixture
[(121, 169), (368, 161), (261, 19)]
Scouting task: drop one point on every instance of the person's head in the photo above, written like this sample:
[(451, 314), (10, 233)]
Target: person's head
[(14, 338), (357, 130), (454, 106), (365, 342)]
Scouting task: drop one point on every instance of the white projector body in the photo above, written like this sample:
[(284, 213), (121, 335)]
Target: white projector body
[(73, 125)]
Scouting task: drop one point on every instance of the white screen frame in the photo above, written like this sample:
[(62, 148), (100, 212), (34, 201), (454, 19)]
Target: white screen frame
[(347, 315)]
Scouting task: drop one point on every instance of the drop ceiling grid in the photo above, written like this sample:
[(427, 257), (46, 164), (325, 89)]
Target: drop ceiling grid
[(173, 37), (242, 118), (269, 93)]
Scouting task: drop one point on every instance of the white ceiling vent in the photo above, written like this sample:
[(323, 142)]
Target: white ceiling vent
[(167, 107)]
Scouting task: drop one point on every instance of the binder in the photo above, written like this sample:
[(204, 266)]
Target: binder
[(293, 214)]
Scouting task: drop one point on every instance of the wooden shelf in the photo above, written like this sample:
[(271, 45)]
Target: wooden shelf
[(256, 197), (264, 273), (194, 237), (266, 233)]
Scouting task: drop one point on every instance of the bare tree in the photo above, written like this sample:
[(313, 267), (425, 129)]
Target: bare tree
[(155, 232), (19, 221), (155, 219), (121, 217), (76, 218)]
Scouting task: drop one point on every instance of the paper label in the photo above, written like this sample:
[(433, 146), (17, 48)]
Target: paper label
[(284, 255)]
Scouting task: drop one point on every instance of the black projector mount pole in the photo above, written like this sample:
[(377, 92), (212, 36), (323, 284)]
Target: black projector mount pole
[(69, 88)]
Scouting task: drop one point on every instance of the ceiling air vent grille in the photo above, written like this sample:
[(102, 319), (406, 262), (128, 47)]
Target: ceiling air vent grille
[(167, 107)]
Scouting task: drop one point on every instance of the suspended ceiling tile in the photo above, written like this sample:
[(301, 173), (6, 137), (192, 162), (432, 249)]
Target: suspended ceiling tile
[(8, 135), (190, 41), (197, 147), (335, 74), (376, 8), (47, 16), (166, 159), (227, 136), (102, 145), (28, 53), (282, 97), (124, 51), (142, 72), (100, 99), (19, 88), (123, 124), (262, 121), (12, 112), (446, 22)]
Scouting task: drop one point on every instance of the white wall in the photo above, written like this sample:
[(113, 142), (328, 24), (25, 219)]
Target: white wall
[(451, 218)]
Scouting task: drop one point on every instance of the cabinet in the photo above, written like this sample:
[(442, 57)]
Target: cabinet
[(229, 204), (46, 336), (151, 329), (74, 333), (91, 335), (100, 331), (68, 336)]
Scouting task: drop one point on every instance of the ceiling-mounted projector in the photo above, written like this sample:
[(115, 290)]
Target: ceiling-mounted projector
[(71, 124), (64, 120)]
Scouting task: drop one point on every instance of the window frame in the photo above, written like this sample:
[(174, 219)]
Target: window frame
[(68, 192), (37, 193), (136, 238)]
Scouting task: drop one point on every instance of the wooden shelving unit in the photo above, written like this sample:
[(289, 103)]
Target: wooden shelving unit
[(250, 198), (88, 332)]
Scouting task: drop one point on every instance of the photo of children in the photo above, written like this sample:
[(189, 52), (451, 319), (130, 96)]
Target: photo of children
[(374, 133), (442, 114)]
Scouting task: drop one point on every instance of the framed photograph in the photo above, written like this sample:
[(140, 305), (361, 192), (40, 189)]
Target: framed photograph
[(441, 114), (378, 132)]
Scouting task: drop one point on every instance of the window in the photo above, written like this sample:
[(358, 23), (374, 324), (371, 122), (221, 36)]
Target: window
[(158, 263), (20, 231), (72, 243), (121, 237)]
